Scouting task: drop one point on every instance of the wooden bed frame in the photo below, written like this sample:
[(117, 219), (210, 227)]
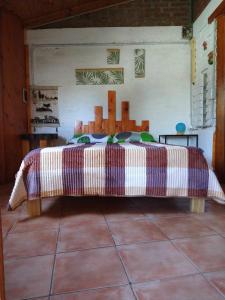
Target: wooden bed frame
[(110, 126)]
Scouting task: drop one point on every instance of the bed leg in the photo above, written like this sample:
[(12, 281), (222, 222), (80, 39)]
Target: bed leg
[(197, 205), (34, 207)]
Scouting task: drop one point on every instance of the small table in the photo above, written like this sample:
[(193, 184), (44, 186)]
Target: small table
[(186, 136), (33, 140)]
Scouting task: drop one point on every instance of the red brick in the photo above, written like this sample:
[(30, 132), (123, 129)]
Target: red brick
[(135, 13)]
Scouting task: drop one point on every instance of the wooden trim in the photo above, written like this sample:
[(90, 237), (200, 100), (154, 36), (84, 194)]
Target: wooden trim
[(79, 9), (2, 281), (34, 208), (111, 125), (220, 102), (2, 129), (27, 86), (193, 60), (220, 10), (197, 205)]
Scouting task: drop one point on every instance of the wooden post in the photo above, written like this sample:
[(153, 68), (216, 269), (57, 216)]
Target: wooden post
[(145, 125), (34, 207), (112, 111), (78, 127), (197, 205), (125, 115), (98, 119)]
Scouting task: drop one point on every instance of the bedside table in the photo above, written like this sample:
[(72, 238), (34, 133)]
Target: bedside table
[(165, 137)]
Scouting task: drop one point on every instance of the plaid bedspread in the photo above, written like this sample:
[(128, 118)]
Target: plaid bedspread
[(129, 169)]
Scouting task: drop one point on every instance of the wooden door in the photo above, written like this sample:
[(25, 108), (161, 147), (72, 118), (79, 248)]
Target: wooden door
[(2, 284), (220, 105)]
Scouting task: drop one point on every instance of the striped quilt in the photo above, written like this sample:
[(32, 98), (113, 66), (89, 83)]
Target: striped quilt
[(129, 169)]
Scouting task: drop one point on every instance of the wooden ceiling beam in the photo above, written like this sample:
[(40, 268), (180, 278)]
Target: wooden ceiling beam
[(79, 9), (2, 3), (220, 10)]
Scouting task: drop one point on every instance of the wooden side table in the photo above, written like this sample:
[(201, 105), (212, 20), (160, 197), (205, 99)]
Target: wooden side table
[(34, 140)]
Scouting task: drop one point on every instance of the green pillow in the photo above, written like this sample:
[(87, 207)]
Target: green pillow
[(147, 137), (132, 136)]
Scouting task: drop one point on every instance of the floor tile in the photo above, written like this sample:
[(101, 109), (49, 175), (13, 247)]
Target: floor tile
[(49, 206), (84, 236), (217, 279), (8, 221), (30, 277), (118, 213), (215, 221), (212, 207), (166, 207), (155, 260), (80, 217), (81, 210), (114, 293), (43, 222), (87, 204), (87, 269), (208, 253), (134, 231), (39, 298), (182, 227), (30, 243), (186, 288)]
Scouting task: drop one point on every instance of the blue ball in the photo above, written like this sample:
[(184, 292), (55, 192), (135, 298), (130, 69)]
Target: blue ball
[(180, 128)]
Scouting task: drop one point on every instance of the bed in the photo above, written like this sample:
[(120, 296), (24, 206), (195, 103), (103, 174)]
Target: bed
[(123, 170)]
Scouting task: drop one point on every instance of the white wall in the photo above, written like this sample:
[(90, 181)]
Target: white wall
[(163, 96), (203, 31)]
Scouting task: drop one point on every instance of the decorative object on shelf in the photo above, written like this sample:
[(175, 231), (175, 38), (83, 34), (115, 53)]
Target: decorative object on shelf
[(101, 76), (139, 63), (187, 32), (44, 106), (113, 56), (210, 58), (180, 128), (205, 45)]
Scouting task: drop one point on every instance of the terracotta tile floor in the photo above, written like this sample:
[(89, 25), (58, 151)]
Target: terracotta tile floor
[(114, 249)]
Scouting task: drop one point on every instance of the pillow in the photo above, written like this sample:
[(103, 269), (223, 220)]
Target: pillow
[(91, 138), (147, 137), (131, 136)]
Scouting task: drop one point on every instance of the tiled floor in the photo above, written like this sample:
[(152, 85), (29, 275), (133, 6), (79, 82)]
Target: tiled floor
[(114, 249)]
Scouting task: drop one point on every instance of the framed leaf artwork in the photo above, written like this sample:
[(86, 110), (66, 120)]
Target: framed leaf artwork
[(113, 56), (139, 63), (101, 76)]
